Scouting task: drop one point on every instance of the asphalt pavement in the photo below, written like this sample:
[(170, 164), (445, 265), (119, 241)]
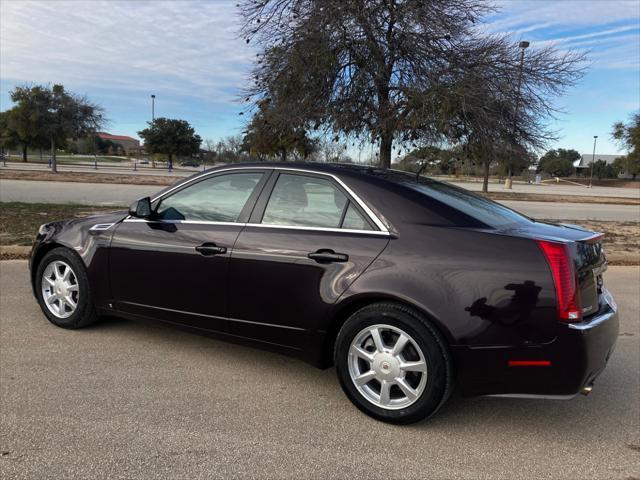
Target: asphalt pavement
[(122, 195), (128, 400)]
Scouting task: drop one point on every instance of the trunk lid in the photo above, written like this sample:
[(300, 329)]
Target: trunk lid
[(586, 249)]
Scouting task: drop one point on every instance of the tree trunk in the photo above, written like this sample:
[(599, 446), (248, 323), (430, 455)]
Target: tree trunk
[(170, 161), (283, 154), (485, 181), (24, 153), (386, 142), (54, 166)]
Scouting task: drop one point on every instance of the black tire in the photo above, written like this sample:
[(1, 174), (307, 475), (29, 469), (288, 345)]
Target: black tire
[(439, 383), (85, 313)]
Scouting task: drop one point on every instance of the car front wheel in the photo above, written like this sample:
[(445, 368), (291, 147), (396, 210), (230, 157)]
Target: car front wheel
[(62, 288), (393, 364)]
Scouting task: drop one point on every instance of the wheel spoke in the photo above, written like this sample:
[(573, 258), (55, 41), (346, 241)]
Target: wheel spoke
[(51, 299), (400, 344), (361, 352), (364, 378), (66, 274), (72, 288), (406, 389), (56, 269), (49, 281), (419, 366), (385, 391), (69, 301), (377, 339)]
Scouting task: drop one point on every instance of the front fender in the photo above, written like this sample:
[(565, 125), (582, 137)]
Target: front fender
[(87, 237)]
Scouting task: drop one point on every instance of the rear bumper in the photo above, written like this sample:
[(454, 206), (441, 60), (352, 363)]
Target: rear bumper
[(571, 362)]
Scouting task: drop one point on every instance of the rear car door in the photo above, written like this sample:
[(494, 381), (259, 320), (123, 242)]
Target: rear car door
[(308, 239), (174, 266)]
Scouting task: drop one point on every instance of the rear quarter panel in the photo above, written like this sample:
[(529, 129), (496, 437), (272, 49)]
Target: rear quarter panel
[(479, 287)]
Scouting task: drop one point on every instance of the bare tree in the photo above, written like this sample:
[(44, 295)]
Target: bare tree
[(400, 72)]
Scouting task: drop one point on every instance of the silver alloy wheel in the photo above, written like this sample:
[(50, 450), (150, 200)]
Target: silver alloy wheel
[(387, 367), (60, 290)]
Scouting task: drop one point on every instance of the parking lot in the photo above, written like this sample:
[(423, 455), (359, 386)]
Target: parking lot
[(128, 400)]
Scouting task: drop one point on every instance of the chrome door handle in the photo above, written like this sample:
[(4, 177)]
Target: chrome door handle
[(328, 256), (210, 249)]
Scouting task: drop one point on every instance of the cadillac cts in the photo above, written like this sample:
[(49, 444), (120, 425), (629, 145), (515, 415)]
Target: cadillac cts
[(409, 286)]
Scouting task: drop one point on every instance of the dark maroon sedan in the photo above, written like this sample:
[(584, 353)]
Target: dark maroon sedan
[(410, 286)]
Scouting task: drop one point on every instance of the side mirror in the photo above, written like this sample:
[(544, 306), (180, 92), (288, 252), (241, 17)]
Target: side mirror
[(141, 208)]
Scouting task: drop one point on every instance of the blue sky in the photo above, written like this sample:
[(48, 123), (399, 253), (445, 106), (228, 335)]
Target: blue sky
[(188, 54)]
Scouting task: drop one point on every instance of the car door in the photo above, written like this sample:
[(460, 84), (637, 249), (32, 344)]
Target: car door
[(308, 239), (174, 266)]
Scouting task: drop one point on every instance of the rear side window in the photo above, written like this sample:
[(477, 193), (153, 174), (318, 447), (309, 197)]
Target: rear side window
[(216, 199), (304, 201), (354, 220), (484, 210)]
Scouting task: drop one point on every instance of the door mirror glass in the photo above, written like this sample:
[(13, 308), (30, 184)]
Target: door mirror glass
[(141, 208)]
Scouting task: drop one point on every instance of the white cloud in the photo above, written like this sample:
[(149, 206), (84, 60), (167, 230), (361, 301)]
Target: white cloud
[(188, 48), (528, 15)]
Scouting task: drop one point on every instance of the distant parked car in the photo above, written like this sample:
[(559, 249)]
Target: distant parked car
[(410, 286), (144, 161), (189, 163)]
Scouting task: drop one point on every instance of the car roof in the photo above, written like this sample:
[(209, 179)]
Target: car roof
[(364, 172)]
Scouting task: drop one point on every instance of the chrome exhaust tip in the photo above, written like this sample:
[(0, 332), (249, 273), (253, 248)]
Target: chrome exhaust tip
[(586, 390)]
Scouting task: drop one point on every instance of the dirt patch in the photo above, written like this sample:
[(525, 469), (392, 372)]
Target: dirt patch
[(83, 177), (621, 239), (19, 222), (14, 252), (544, 197)]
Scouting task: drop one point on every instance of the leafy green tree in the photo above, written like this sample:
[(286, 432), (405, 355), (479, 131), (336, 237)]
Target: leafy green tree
[(558, 162), (170, 137), (628, 136), (53, 114), (25, 123), (8, 137), (602, 169)]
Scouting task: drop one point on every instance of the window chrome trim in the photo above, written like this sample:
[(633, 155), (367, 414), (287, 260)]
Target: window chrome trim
[(367, 210), (319, 229), (131, 219)]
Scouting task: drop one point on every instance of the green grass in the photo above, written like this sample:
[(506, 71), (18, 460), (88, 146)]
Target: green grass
[(19, 222)]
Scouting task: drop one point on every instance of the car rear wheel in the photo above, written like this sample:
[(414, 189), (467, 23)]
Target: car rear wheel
[(62, 288), (393, 364)]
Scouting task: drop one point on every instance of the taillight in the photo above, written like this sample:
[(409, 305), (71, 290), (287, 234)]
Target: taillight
[(564, 278)]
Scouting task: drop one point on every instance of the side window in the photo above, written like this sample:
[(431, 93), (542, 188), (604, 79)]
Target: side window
[(217, 199), (297, 200), (354, 220)]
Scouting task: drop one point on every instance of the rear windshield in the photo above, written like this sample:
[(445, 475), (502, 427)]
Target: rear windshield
[(486, 211)]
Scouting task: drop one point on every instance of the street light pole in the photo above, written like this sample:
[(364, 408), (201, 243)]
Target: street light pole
[(593, 159), (153, 107), (523, 45)]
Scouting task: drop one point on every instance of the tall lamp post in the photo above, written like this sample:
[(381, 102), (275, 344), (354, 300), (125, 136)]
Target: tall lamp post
[(523, 45), (593, 159), (153, 107)]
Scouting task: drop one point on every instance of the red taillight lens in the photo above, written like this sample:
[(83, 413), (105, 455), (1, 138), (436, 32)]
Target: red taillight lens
[(565, 280)]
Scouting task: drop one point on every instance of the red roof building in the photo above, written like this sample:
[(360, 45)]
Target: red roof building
[(128, 143)]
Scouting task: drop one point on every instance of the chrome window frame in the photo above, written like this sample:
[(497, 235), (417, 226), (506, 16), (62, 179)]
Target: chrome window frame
[(382, 228)]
